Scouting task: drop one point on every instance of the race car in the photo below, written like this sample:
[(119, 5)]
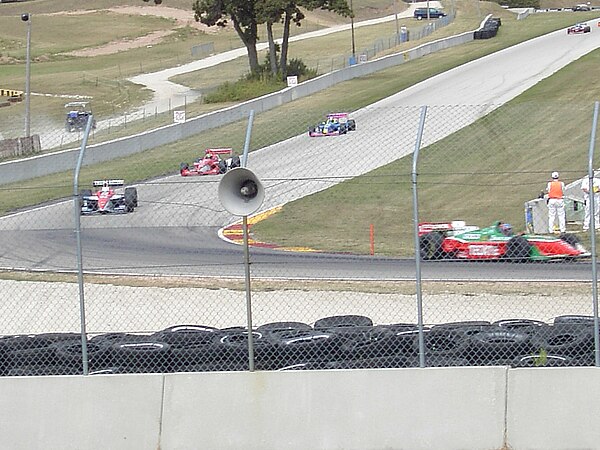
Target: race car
[(456, 240), (579, 28), (106, 200), (77, 117), (211, 163), (334, 124)]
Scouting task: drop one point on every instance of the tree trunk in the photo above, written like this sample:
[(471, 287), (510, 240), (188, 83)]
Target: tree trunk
[(248, 37), (272, 51), (287, 20)]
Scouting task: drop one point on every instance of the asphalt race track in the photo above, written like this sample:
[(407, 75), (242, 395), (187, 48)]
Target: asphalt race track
[(174, 230)]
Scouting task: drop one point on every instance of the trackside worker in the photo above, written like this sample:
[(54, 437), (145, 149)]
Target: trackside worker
[(585, 187), (556, 204)]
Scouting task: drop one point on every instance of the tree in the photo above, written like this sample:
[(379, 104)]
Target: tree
[(243, 17), (290, 12)]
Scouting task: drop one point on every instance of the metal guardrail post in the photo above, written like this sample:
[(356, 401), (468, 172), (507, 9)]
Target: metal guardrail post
[(416, 236), (77, 216)]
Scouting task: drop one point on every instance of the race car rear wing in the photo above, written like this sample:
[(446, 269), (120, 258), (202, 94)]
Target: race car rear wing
[(448, 228), (109, 182), (220, 151), (342, 117)]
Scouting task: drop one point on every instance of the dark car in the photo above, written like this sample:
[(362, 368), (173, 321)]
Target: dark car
[(582, 7), (434, 13), (77, 117)]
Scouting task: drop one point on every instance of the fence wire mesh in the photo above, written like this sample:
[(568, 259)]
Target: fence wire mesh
[(332, 250)]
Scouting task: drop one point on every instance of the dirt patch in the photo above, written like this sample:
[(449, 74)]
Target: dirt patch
[(182, 19)]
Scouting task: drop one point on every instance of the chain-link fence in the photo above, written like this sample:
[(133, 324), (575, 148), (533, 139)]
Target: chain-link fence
[(334, 282)]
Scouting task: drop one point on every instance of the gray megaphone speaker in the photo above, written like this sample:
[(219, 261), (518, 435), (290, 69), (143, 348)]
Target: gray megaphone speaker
[(241, 192)]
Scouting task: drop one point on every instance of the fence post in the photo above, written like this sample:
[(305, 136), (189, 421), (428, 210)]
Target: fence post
[(593, 207), (77, 215), (416, 236)]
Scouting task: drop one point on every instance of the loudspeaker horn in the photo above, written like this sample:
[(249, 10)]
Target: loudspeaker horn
[(241, 192)]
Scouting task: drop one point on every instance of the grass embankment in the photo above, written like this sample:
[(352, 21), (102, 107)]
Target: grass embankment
[(383, 197)]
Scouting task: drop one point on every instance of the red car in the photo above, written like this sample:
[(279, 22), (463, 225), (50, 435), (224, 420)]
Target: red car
[(579, 28), (211, 163), (106, 200)]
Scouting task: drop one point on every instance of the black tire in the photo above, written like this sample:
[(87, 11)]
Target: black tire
[(573, 340), (275, 330), (144, 356), (301, 346), (570, 239), (498, 343), (235, 162), (430, 245), (528, 326), (574, 319), (517, 248), (183, 166), (351, 125), (543, 360), (191, 346), (343, 321), (222, 166), (130, 198)]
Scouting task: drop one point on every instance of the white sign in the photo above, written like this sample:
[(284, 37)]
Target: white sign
[(179, 116), (292, 81), (362, 58)]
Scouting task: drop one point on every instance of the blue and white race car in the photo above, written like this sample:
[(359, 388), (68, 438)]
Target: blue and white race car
[(334, 124)]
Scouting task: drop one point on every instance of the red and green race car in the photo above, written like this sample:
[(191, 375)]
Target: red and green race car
[(456, 240)]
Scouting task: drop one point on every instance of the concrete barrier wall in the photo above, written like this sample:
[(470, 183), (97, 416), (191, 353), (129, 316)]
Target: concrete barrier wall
[(14, 171), (437, 408)]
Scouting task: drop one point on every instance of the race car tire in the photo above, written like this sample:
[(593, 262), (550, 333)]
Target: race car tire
[(130, 198), (183, 166), (235, 162), (222, 167), (570, 239), (84, 193), (343, 321), (351, 125), (517, 248), (430, 245)]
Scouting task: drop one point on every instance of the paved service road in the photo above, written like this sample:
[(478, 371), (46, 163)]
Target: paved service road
[(174, 229)]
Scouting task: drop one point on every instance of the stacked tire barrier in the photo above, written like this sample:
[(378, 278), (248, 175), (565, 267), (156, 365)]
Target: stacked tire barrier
[(489, 29), (336, 342)]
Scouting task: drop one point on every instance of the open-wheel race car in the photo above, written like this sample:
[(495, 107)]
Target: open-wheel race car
[(211, 163), (456, 240), (77, 117), (335, 124), (105, 200), (579, 28)]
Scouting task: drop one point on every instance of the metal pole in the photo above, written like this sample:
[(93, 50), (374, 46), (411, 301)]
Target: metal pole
[(247, 141), (416, 237), (244, 162), (352, 28), (591, 199), (77, 216), (28, 77), (248, 295), (397, 25)]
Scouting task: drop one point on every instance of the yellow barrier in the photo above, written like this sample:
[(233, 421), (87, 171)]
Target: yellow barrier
[(10, 93)]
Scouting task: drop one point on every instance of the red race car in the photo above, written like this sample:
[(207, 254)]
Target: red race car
[(106, 200), (456, 240), (211, 163), (579, 28)]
